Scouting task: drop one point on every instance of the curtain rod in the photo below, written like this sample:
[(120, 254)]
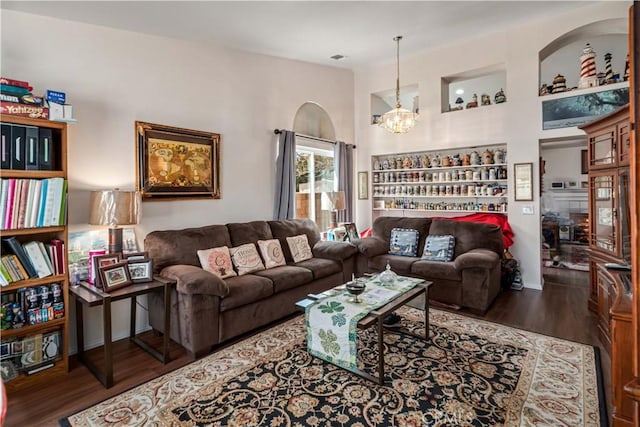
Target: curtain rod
[(279, 131)]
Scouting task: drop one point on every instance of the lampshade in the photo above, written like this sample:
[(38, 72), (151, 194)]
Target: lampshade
[(332, 201), (114, 207), (398, 120)]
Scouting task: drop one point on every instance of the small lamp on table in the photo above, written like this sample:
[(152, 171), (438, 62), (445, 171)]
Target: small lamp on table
[(114, 208), (333, 201)]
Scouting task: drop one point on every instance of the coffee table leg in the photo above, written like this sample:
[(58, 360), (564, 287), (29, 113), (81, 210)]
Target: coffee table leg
[(380, 351), (426, 313)]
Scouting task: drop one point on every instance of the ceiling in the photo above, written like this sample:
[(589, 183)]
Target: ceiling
[(310, 31)]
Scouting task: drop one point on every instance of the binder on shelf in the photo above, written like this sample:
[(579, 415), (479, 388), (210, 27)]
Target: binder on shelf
[(13, 246), (31, 155), (5, 147), (18, 147), (45, 149)]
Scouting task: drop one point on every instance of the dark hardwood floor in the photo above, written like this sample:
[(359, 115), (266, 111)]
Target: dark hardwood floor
[(560, 310)]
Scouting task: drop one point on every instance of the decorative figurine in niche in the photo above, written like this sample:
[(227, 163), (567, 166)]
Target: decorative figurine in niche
[(474, 101), (544, 89), (485, 99), (588, 76), (559, 84), (406, 163), (455, 160), (500, 97), (498, 155), (445, 161), (459, 104), (425, 161), (625, 76), (487, 157), (608, 71), (466, 159), (435, 161), (475, 158)]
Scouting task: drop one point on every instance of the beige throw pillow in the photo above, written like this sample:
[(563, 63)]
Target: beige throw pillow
[(217, 261), (271, 252), (246, 259), (299, 247)]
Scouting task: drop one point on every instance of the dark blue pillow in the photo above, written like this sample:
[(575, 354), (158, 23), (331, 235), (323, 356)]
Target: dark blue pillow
[(404, 242), (439, 248)]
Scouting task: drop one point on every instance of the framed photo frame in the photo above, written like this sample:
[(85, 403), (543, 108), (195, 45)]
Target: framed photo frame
[(174, 163), (135, 255), (100, 261), (115, 276), (351, 230), (140, 270), (363, 185), (523, 181)]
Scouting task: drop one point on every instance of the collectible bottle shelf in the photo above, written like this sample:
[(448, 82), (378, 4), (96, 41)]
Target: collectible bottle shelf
[(456, 180), (35, 302)]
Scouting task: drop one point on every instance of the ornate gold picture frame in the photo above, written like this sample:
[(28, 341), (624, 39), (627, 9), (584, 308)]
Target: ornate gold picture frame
[(176, 163)]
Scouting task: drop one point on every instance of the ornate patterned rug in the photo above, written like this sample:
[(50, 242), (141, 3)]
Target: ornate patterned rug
[(472, 373)]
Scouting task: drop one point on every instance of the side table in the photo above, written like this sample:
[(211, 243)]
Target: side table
[(89, 295)]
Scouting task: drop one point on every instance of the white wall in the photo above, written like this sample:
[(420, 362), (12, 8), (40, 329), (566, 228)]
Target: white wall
[(562, 164), (114, 78), (518, 122)]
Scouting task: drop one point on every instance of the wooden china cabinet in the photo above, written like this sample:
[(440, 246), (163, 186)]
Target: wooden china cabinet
[(610, 245)]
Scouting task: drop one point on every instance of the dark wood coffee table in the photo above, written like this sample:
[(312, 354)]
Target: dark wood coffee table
[(376, 318)]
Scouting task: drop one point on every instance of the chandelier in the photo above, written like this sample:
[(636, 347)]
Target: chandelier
[(398, 120)]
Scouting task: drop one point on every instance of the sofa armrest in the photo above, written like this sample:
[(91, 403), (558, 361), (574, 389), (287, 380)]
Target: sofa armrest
[(194, 280), (336, 251), (371, 246), (476, 258)]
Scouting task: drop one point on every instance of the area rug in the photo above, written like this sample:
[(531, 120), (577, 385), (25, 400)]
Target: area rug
[(471, 373)]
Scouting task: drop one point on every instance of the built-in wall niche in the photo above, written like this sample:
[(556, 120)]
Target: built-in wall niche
[(474, 89), (383, 101), (563, 55)]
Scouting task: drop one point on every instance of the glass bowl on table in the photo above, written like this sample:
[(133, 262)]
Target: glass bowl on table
[(355, 288)]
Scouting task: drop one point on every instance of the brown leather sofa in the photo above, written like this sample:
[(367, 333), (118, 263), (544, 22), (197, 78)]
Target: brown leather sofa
[(470, 280), (207, 310)]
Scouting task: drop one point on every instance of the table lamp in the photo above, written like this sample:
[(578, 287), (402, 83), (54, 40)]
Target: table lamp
[(333, 201), (114, 208)]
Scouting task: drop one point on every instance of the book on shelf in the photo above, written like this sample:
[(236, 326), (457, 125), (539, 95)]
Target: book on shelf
[(38, 258), (45, 149), (15, 82), (10, 89), (22, 110), (29, 203), (13, 246)]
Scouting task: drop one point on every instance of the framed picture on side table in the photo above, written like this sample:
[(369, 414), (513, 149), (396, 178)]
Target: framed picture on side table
[(103, 261), (115, 276), (140, 270)]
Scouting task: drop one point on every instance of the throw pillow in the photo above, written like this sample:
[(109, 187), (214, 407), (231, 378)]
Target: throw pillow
[(404, 242), (271, 252), (217, 261), (439, 248), (246, 259), (299, 247)]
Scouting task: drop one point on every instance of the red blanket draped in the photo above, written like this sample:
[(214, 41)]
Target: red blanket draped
[(490, 218)]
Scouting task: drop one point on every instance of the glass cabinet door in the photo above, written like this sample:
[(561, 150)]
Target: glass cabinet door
[(603, 211), (602, 148), (624, 143)]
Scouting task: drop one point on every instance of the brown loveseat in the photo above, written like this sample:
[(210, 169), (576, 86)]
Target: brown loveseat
[(471, 279), (207, 310)]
